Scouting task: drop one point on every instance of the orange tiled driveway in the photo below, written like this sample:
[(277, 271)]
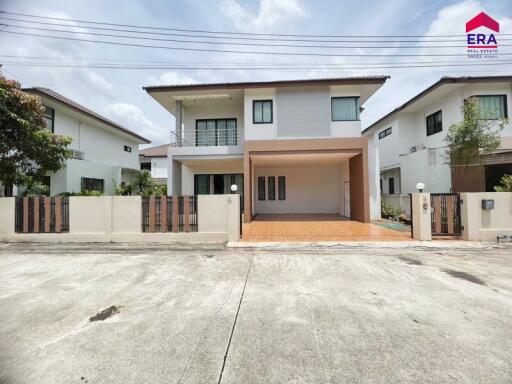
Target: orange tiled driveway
[(292, 228)]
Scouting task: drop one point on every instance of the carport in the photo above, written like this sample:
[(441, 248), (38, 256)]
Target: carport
[(314, 176)]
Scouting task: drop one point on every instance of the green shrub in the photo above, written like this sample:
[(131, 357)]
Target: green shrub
[(505, 184), (388, 211)]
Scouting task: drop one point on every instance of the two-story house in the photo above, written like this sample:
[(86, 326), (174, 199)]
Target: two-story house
[(104, 153), (411, 139), (291, 146)]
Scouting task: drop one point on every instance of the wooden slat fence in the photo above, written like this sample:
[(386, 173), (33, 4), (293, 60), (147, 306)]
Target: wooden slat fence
[(42, 214), (169, 214)]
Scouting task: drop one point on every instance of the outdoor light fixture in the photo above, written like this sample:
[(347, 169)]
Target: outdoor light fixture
[(420, 187), (234, 188)]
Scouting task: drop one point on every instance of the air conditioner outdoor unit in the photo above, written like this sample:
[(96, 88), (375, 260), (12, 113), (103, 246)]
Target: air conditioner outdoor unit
[(79, 155)]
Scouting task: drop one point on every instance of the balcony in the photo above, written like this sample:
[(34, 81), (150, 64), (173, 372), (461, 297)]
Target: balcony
[(208, 137)]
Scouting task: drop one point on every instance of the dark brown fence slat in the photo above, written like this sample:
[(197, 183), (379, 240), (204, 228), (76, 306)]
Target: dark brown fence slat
[(58, 214), (437, 213), (175, 214), (152, 214), (36, 214), (163, 214), (47, 213), (449, 213), (186, 214), (25, 214)]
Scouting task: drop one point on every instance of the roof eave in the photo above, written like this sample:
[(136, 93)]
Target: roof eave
[(78, 110)]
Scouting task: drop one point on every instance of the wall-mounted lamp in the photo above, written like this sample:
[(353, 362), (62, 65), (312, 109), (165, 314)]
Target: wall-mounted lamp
[(234, 188), (420, 187)]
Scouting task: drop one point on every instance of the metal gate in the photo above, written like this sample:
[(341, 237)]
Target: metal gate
[(445, 212)]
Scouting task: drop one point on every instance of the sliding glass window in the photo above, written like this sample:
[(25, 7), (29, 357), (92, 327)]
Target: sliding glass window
[(216, 132)]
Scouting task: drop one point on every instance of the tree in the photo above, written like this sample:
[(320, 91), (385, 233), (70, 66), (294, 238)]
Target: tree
[(505, 184), (27, 150), (473, 137)]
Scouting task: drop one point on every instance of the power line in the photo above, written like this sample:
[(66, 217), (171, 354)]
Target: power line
[(231, 37), (240, 52), (234, 63), (242, 44), (222, 32), (106, 66)]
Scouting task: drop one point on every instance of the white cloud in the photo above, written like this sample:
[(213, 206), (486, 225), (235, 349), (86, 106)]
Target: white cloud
[(133, 118), (172, 78), (99, 82), (271, 13)]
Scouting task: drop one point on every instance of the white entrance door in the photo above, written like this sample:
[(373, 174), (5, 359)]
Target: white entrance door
[(346, 194)]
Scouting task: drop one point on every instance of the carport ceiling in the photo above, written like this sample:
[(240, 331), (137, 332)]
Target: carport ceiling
[(300, 159)]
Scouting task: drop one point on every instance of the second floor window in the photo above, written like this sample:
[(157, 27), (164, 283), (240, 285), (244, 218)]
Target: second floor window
[(434, 123), (262, 111), (345, 108), (145, 166), (492, 107), (216, 132), (49, 117), (384, 133)]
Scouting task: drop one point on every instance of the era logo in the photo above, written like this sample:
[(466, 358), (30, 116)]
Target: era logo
[(482, 40)]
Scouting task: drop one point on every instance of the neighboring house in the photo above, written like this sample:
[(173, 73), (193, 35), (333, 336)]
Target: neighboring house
[(154, 160), (290, 146), (411, 145), (104, 152)]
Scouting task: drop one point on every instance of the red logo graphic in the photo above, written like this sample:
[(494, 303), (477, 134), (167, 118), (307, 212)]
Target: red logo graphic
[(482, 44)]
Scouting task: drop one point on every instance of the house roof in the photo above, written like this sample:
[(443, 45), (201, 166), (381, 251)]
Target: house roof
[(158, 151), (443, 81), (81, 109), (266, 84)]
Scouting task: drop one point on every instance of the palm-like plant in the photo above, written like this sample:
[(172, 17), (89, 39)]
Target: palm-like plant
[(32, 187), (505, 184)]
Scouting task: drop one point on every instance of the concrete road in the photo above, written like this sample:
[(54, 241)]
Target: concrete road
[(153, 314)]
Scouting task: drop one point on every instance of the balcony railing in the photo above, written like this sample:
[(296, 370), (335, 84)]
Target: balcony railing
[(207, 138)]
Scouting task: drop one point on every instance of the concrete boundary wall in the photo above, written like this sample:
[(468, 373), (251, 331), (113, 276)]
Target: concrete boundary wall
[(7, 212), (219, 213), (485, 225), (119, 219)]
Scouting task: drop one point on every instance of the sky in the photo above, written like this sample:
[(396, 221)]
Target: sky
[(118, 94)]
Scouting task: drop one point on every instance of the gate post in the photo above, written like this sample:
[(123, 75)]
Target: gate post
[(421, 216)]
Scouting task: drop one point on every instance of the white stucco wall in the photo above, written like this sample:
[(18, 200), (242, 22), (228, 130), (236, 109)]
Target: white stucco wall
[(260, 131), (69, 179), (159, 166), (103, 148), (313, 189)]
